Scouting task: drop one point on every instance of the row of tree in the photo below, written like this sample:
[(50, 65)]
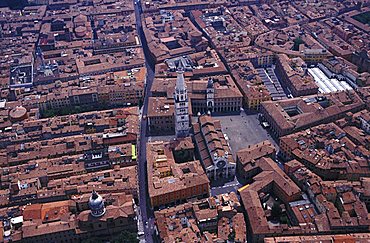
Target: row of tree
[(14, 4), (124, 237)]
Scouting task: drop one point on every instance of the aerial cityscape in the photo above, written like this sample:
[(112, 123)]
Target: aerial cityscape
[(172, 121)]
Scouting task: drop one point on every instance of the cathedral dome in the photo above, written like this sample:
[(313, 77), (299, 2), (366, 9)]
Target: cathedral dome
[(96, 204)]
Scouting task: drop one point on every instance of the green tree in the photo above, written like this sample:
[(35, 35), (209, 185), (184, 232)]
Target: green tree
[(126, 237), (140, 103), (182, 156), (92, 240), (284, 219), (14, 4), (276, 210), (297, 41), (231, 236)]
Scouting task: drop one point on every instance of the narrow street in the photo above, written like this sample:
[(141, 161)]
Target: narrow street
[(146, 219)]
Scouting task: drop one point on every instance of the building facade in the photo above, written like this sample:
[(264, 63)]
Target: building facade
[(161, 116)]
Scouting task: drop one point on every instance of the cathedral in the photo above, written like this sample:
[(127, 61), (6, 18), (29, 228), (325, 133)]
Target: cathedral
[(214, 149)]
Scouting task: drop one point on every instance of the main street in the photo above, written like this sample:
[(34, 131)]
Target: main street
[(146, 219)]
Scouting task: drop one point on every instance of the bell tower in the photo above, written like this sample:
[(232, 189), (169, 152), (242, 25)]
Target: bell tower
[(210, 95), (181, 104)]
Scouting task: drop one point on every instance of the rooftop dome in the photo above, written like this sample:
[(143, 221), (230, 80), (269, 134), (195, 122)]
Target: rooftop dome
[(80, 31), (18, 113), (96, 204)]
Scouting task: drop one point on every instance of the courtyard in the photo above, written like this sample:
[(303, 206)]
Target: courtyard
[(243, 130)]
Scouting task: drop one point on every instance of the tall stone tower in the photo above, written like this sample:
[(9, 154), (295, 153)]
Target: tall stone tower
[(181, 104), (210, 95)]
